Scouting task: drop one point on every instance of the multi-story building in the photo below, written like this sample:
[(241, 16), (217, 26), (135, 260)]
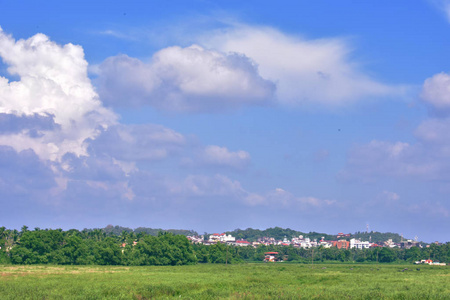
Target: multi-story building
[(354, 243), (222, 237), (341, 244)]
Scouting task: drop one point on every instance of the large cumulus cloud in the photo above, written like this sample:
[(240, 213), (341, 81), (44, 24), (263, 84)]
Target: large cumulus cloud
[(53, 82), (184, 79), (31, 124), (23, 173)]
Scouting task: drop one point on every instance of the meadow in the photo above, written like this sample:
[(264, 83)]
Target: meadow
[(240, 281)]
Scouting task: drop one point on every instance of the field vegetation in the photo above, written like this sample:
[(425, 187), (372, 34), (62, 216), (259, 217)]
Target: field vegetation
[(217, 281), (91, 264)]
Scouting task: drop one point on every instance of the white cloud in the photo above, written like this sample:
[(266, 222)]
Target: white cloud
[(380, 158), (217, 185), (282, 198), (447, 9), (221, 156), (321, 155), (444, 6), (237, 66), (137, 142), (427, 158), (53, 82), (184, 79), (22, 173), (305, 71), (222, 186), (434, 137), (434, 131), (390, 196), (436, 91), (116, 34)]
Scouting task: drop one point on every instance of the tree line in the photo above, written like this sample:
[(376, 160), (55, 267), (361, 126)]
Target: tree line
[(97, 247), (93, 247), (117, 230), (321, 254)]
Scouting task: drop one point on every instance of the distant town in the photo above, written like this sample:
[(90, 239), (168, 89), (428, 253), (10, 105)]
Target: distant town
[(287, 237), (343, 241)]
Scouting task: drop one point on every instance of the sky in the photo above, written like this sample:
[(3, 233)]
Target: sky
[(326, 116)]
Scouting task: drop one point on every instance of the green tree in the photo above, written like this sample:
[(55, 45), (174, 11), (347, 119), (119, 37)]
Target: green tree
[(412, 254), (387, 255)]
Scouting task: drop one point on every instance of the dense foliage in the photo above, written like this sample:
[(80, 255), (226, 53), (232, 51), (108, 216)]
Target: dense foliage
[(320, 254), (117, 230), (85, 247), (96, 247)]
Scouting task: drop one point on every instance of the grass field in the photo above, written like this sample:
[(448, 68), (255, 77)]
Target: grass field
[(243, 281)]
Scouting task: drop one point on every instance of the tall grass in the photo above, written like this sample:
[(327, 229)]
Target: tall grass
[(207, 281)]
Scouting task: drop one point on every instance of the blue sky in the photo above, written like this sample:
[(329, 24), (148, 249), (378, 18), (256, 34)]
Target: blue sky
[(215, 115)]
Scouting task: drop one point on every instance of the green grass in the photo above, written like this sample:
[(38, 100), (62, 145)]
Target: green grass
[(244, 281)]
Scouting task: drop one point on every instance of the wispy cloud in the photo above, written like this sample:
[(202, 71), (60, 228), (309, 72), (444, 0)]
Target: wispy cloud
[(444, 6), (117, 34), (307, 71), (220, 156)]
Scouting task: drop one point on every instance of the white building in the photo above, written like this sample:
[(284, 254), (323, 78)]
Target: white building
[(223, 238), (389, 243), (227, 238), (325, 244), (354, 243)]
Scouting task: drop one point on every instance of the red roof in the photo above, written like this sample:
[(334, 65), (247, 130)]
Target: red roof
[(268, 253), (243, 242)]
